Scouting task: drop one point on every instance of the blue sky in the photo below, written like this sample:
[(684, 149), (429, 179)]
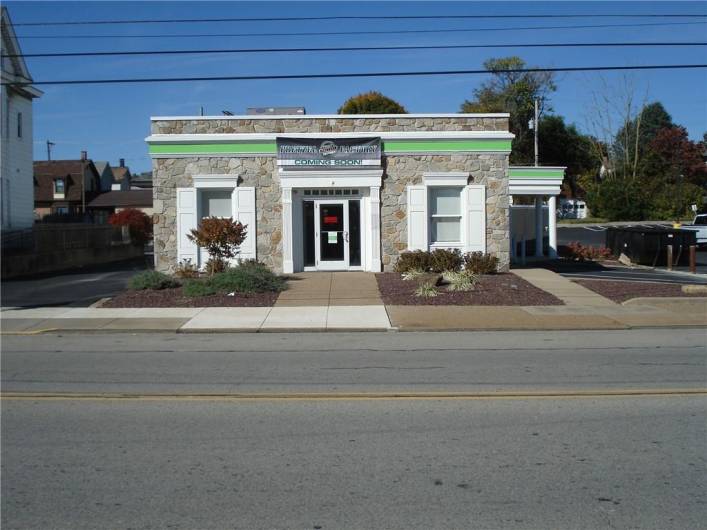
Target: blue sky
[(111, 121)]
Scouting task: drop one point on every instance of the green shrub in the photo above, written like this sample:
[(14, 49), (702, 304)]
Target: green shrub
[(480, 263), (426, 290), (248, 277), (151, 280), (443, 259), (415, 260), (199, 288)]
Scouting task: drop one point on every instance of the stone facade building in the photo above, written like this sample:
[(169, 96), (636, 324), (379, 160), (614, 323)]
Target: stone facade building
[(333, 192)]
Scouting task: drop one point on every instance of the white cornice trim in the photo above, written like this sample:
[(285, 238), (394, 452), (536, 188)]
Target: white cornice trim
[(331, 116), (385, 135), (215, 181), (344, 178), (537, 168), (450, 178)]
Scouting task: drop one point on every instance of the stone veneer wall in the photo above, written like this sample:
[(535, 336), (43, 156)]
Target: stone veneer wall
[(490, 169), (324, 125), (168, 174)]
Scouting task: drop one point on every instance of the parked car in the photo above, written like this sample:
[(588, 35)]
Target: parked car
[(699, 225)]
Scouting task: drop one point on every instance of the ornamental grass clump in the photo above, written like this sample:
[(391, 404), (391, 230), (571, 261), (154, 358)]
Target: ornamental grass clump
[(462, 281), (426, 290), (412, 275), (151, 280), (221, 238)]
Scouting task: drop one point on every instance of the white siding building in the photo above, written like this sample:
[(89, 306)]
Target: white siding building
[(16, 141)]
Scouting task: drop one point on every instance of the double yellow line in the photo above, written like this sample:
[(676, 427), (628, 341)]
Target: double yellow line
[(354, 396)]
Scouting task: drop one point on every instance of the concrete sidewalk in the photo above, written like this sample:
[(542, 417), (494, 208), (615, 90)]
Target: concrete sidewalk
[(351, 302), (253, 319), (637, 313)]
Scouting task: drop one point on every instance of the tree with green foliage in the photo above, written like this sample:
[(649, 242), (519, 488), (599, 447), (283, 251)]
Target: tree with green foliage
[(372, 102), (515, 92), (563, 145), (632, 140)]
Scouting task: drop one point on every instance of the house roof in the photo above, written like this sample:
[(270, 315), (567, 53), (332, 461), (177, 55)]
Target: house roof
[(18, 72), (123, 199), (120, 172), (101, 166), (46, 171)]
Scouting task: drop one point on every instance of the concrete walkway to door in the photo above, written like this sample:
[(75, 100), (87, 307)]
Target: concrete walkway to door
[(325, 289)]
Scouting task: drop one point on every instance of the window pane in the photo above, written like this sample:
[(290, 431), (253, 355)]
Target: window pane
[(445, 201), (216, 203), (446, 230)]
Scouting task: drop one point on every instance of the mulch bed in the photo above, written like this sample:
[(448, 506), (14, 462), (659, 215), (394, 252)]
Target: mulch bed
[(175, 298), (493, 289), (624, 290)]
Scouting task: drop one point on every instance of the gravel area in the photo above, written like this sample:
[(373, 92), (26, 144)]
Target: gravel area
[(623, 290), (494, 289), (175, 298)]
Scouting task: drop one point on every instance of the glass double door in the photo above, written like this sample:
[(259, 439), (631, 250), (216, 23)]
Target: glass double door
[(337, 234)]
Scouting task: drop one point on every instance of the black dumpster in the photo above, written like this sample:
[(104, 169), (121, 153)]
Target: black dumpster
[(647, 245)]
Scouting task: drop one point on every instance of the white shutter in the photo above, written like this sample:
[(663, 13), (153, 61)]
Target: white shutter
[(186, 221), (417, 217), (475, 218), (244, 212)]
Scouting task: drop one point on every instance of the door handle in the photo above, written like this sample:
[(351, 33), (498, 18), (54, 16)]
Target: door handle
[(346, 237)]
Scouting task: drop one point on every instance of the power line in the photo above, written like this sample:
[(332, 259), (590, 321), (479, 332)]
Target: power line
[(356, 74), (350, 17), (370, 32), (357, 48)]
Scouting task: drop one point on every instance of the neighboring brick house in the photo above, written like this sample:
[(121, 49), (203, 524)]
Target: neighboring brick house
[(16, 141), (342, 192), (65, 187)]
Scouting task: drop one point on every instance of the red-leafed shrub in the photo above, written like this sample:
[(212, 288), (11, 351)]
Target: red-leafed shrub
[(139, 224), (221, 238), (578, 252)]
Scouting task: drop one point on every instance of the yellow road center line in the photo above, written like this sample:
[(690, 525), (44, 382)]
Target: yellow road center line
[(68, 396)]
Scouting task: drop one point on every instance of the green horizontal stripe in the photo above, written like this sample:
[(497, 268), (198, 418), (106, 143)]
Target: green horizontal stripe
[(256, 148), (540, 173), (269, 148), (447, 145)]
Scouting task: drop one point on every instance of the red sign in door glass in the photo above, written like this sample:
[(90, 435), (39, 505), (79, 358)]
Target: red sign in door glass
[(330, 219)]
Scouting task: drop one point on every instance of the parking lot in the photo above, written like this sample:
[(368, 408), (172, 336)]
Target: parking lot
[(595, 235)]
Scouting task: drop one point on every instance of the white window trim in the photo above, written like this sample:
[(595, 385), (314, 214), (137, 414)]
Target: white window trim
[(215, 181), (447, 179)]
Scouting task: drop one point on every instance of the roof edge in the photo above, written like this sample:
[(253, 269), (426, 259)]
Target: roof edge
[(332, 116)]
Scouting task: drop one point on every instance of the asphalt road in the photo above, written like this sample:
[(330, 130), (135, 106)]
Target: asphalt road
[(363, 362), (80, 287), (528, 462)]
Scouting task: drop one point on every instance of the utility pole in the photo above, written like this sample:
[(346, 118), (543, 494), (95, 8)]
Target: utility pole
[(535, 130), (49, 149)]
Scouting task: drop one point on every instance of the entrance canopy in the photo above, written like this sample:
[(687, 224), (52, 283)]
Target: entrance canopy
[(539, 182), (531, 180)]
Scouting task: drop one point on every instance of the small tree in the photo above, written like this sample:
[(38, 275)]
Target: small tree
[(221, 237), (371, 103), (139, 224)]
